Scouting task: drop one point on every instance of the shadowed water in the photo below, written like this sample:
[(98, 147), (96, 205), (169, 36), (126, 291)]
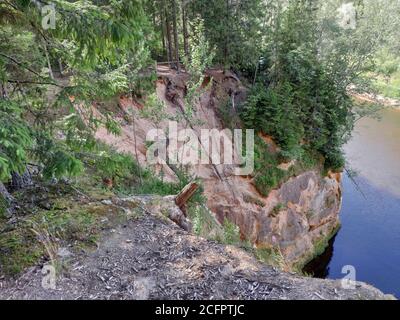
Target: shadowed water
[(369, 238)]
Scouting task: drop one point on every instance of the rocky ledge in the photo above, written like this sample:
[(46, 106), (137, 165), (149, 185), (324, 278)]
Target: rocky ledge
[(150, 257)]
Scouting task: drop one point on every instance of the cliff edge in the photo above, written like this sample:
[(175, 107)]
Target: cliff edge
[(150, 257)]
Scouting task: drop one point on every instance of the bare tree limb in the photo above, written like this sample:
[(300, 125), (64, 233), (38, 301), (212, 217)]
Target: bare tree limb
[(20, 64)]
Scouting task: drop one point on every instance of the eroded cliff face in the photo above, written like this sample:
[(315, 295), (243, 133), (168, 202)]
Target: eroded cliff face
[(298, 218)]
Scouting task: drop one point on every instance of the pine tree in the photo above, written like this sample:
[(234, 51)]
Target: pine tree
[(100, 43)]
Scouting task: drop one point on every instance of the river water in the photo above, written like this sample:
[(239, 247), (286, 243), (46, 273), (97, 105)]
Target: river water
[(369, 239)]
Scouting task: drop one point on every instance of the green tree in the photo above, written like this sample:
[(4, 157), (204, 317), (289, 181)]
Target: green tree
[(304, 101), (97, 44)]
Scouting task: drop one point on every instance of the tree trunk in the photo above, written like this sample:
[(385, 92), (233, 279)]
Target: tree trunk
[(227, 17), (168, 31), (185, 32), (4, 93), (176, 40), (153, 16), (48, 59), (162, 21), (134, 135), (60, 66)]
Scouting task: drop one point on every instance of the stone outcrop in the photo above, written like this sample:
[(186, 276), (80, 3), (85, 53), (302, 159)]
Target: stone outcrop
[(298, 218)]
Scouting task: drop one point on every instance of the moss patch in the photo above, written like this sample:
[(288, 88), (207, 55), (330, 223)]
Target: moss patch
[(71, 219), (18, 250), (319, 247)]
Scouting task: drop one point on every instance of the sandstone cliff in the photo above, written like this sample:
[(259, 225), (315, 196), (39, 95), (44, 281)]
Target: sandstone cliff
[(298, 218)]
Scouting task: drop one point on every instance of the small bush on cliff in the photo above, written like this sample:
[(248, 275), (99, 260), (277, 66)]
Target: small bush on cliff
[(272, 256), (204, 222), (270, 179), (231, 233), (277, 209), (121, 173)]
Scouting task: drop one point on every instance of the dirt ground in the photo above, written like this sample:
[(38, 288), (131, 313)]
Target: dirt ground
[(150, 257)]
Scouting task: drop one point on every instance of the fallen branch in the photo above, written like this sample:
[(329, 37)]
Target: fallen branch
[(22, 65)]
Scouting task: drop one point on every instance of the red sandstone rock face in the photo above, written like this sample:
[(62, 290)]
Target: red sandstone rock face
[(308, 204), (310, 212)]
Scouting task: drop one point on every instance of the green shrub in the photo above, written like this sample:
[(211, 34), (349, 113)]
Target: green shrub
[(271, 111), (15, 139), (231, 233), (3, 207), (277, 209), (204, 223), (271, 256), (269, 179), (267, 176)]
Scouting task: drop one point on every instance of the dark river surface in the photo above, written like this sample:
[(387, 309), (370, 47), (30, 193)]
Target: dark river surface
[(369, 238)]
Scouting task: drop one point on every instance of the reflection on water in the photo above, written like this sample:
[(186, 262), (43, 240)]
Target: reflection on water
[(374, 150), (369, 238), (319, 267)]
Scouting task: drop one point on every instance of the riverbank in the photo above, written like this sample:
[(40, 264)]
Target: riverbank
[(374, 98), (369, 237)]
